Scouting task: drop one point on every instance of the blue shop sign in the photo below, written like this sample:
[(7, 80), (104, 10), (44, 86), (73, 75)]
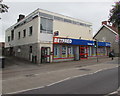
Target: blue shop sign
[(89, 43), (58, 40), (82, 42), (107, 44)]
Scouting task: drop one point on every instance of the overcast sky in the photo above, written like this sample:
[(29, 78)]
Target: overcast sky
[(94, 11)]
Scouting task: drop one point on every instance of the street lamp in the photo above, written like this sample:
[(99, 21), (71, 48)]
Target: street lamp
[(96, 46)]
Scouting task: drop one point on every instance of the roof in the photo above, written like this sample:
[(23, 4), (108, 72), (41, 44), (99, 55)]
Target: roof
[(112, 29)]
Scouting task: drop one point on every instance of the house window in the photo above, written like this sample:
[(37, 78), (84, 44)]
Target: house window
[(24, 33), (30, 30), (8, 38), (46, 25), (12, 34), (18, 35)]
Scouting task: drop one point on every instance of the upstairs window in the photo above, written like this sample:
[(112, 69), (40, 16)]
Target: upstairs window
[(18, 35), (12, 35), (8, 38), (30, 31), (24, 33), (46, 25)]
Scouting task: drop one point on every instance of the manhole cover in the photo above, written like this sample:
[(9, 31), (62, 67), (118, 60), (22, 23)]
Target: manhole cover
[(78, 66), (30, 75), (85, 69)]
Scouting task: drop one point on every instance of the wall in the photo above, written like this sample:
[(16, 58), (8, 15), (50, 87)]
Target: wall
[(28, 39), (108, 36), (69, 30)]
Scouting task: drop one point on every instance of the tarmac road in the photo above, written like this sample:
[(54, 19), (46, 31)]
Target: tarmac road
[(103, 82)]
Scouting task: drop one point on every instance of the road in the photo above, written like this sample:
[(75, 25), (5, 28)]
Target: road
[(102, 82)]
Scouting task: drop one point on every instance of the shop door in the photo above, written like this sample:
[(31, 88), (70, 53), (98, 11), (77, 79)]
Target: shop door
[(83, 52), (45, 55)]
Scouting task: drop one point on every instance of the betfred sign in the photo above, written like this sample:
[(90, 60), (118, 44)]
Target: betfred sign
[(62, 40)]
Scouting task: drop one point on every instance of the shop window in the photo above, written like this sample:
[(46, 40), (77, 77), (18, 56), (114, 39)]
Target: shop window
[(46, 26), (89, 51), (56, 51), (70, 51), (64, 51), (93, 51)]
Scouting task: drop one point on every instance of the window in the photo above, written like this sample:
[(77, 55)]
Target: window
[(46, 15), (8, 38), (55, 50), (12, 34), (46, 26), (30, 30), (64, 51), (30, 49), (24, 33), (19, 49), (18, 35), (67, 20), (58, 18), (70, 51)]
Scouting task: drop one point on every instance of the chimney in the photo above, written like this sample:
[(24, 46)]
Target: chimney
[(20, 17), (105, 22)]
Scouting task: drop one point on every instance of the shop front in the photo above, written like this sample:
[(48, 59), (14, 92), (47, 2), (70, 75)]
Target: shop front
[(65, 49)]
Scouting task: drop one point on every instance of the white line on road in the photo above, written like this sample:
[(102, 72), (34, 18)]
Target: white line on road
[(59, 81), (68, 78), (26, 90)]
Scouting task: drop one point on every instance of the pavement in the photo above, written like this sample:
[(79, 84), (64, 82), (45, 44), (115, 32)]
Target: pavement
[(16, 67), (21, 76)]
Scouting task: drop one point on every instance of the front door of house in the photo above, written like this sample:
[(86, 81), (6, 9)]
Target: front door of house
[(45, 55)]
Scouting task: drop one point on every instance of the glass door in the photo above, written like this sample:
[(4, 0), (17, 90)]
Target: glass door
[(83, 52), (45, 55)]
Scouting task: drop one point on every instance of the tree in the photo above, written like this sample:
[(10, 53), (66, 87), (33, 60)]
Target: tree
[(3, 7), (115, 14), (115, 19)]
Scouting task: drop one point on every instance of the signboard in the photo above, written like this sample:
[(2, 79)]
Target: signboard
[(59, 40), (62, 40)]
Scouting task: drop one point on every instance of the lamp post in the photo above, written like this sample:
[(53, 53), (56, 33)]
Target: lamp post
[(96, 46)]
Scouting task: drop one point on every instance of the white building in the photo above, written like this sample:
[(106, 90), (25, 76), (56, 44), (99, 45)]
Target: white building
[(44, 36)]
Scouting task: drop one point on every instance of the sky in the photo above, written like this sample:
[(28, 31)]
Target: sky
[(94, 11)]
